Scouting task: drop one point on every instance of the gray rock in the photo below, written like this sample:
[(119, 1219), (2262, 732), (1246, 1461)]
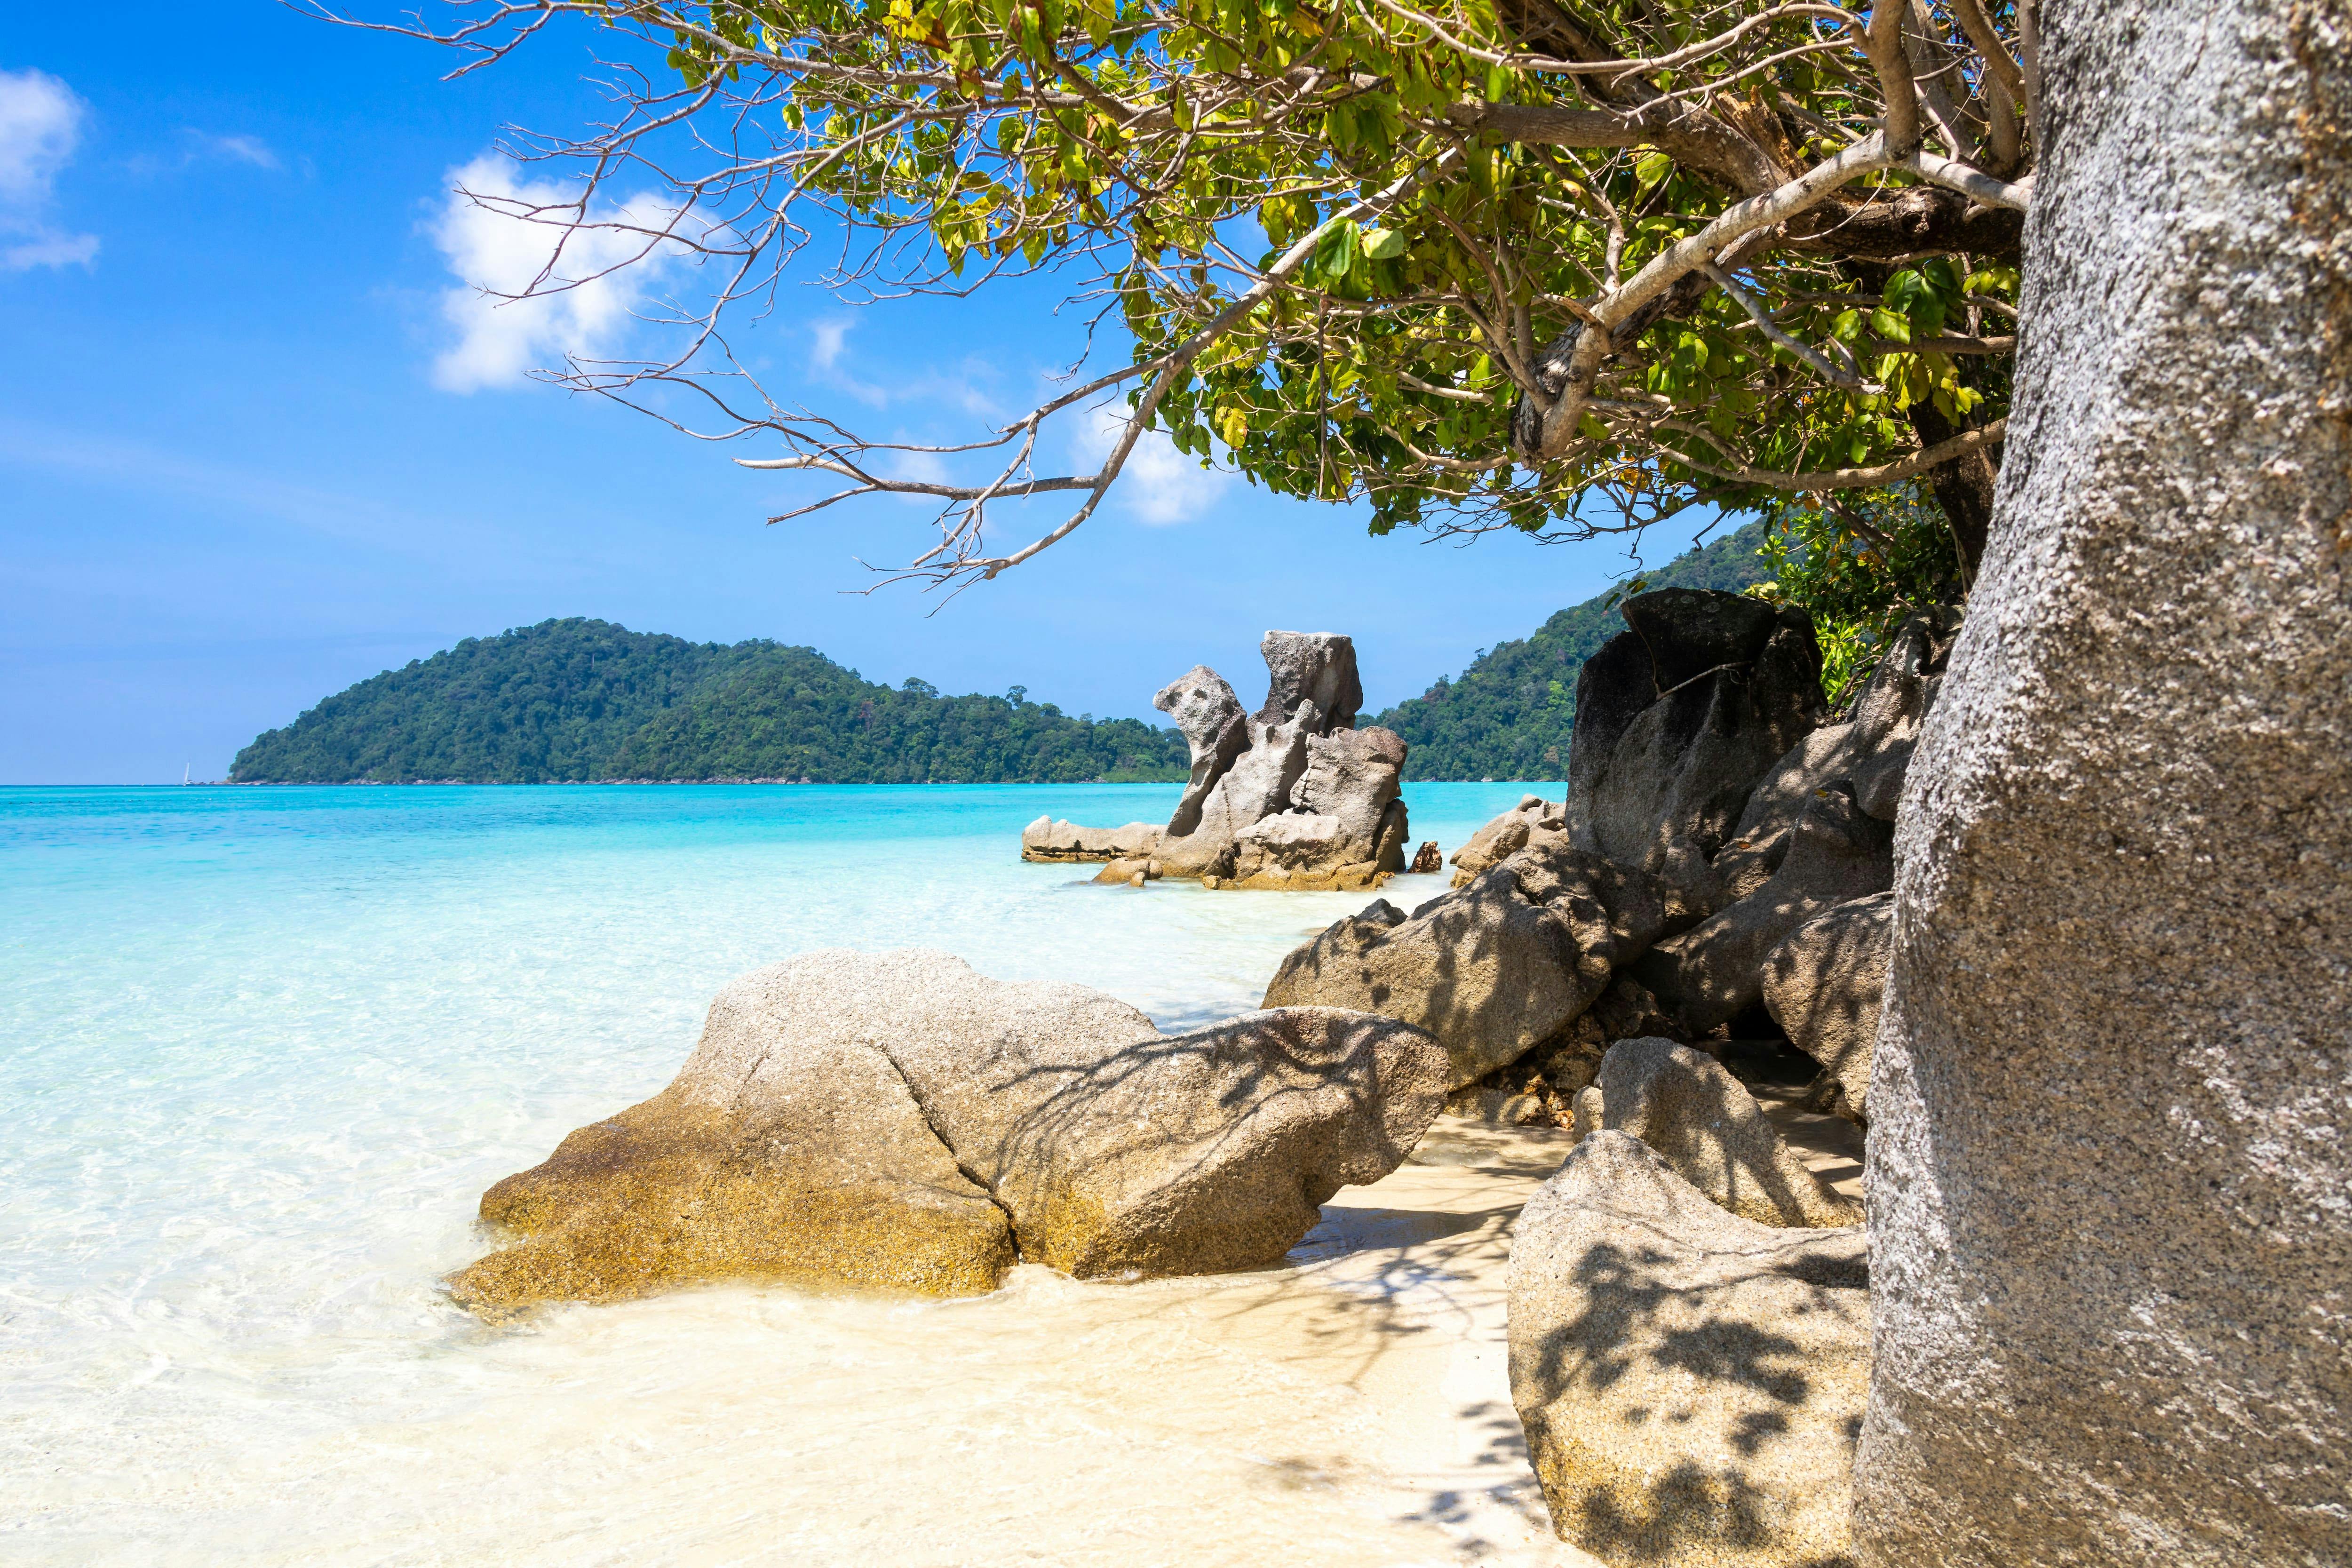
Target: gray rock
[(1823, 984), (1046, 839), (1709, 974), (1678, 720), (1870, 751), (1505, 835), (1192, 1154), (1690, 632), (1705, 1123), (1312, 667), (1211, 717), (1257, 785), (1689, 1380), (2108, 1159), (1492, 969), (1354, 776), (898, 1121)]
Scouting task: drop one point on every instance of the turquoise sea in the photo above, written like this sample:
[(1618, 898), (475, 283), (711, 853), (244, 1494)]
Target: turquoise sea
[(260, 1050)]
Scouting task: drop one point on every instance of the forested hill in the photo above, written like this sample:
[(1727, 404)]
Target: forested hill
[(1511, 714), (578, 700)]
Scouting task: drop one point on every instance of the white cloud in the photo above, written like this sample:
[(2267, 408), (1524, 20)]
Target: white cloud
[(40, 125), (498, 249), (831, 337), (1159, 485), (250, 149)]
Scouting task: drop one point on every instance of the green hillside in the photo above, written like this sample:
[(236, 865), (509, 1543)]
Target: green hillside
[(577, 701), (1510, 714)]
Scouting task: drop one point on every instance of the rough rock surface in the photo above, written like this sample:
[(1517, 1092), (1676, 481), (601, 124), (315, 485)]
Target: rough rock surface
[(1503, 836), (1705, 1123), (1690, 1382), (1823, 984), (1352, 775), (1310, 667), (1709, 974), (1046, 839), (1347, 827), (2108, 1156), (1679, 717), (1870, 752), (1493, 969), (1211, 719), (897, 1120)]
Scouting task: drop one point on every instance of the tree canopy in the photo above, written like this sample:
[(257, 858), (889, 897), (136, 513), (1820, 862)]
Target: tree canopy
[(1562, 266), (583, 700)]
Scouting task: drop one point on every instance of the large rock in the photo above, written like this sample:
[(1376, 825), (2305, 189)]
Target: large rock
[(1347, 827), (1353, 776), (1869, 753), (898, 1121), (1707, 975), (1211, 719), (1047, 839), (1493, 969), (1705, 1123), (1190, 1155), (1506, 836), (2110, 1147), (1823, 984), (1310, 667), (1678, 718), (1689, 1380)]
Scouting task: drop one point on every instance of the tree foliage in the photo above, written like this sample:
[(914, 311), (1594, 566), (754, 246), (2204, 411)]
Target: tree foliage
[(580, 701), (1859, 568), (1553, 264)]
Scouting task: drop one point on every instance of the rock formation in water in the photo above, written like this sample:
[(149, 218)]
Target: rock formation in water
[(1048, 839), (1293, 797), (898, 1121), (1689, 1380), (2111, 1103)]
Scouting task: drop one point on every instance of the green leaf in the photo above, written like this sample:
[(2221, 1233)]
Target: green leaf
[(1890, 326), (1383, 245)]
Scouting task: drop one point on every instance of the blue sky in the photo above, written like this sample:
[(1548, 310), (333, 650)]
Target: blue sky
[(257, 440)]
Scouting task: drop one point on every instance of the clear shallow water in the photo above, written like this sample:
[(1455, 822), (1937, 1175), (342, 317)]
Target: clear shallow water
[(261, 1049)]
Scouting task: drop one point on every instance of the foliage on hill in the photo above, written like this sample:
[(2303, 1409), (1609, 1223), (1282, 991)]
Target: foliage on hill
[(577, 701), (790, 713), (1510, 714)]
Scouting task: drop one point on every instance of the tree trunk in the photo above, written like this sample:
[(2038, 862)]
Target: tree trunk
[(2111, 1245), (1964, 486)]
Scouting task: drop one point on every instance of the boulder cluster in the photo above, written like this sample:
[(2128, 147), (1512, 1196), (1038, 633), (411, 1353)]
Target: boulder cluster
[(1689, 1313), (1292, 797), (1721, 863)]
